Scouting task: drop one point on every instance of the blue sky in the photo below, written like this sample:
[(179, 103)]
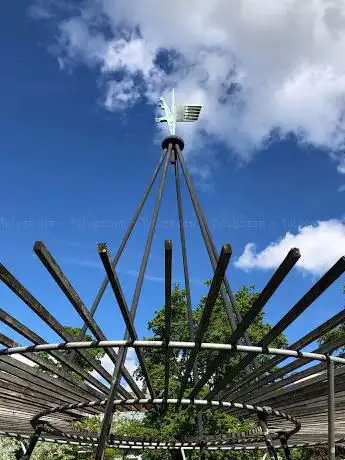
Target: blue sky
[(74, 168)]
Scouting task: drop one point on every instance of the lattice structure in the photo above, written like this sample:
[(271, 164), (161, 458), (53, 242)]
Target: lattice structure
[(294, 405)]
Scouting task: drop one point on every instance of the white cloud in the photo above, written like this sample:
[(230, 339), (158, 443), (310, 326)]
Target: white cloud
[(341, 166), (121, 94), (107, 363), (130, 363), (341, 188), (257, 67), (321, 245), (131, 55)]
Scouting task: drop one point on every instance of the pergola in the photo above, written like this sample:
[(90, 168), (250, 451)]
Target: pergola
[(295, 405)]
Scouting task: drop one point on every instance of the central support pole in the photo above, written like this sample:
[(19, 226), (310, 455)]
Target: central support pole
[(331, 410), (187, 282)]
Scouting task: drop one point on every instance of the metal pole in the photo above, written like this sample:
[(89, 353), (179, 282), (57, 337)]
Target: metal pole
[(202, 451), (314, 293), (285, 447), (115, 284), (206, 236), (54, 324), (33, 441), (108, 413), (331, 410), (187, 283), (270, 288), (212, 296), (123, 243), (230, 303), (270, 448), (61, 280), (167, 314)]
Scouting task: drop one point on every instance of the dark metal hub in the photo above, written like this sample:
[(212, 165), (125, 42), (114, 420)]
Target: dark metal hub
[(173, 140)]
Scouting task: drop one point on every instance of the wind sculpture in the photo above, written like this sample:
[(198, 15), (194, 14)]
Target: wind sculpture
[(295, 406)]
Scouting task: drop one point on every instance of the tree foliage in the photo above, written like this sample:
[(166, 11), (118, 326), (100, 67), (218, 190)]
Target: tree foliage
[(219, 330), (173, 425), (10, 449), (49, 451), (95, 353)]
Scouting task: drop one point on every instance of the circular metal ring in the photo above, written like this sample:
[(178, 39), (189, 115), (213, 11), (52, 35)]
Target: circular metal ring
[(189, 402), (224, 405), (172, 344)]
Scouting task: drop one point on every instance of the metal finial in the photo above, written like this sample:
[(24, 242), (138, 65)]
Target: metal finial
[(179, 113)]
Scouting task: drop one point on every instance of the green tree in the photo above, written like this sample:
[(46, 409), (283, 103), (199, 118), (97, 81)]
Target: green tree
[(96, 353), (10, 449), (318, 453), (49, 451), (178, 425), (219, 330)]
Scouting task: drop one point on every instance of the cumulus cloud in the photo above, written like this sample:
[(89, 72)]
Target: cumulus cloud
[(121, 94), (321, 245), (258, 67)]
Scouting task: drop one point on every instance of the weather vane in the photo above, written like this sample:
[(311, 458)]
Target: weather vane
[(179, 113)]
